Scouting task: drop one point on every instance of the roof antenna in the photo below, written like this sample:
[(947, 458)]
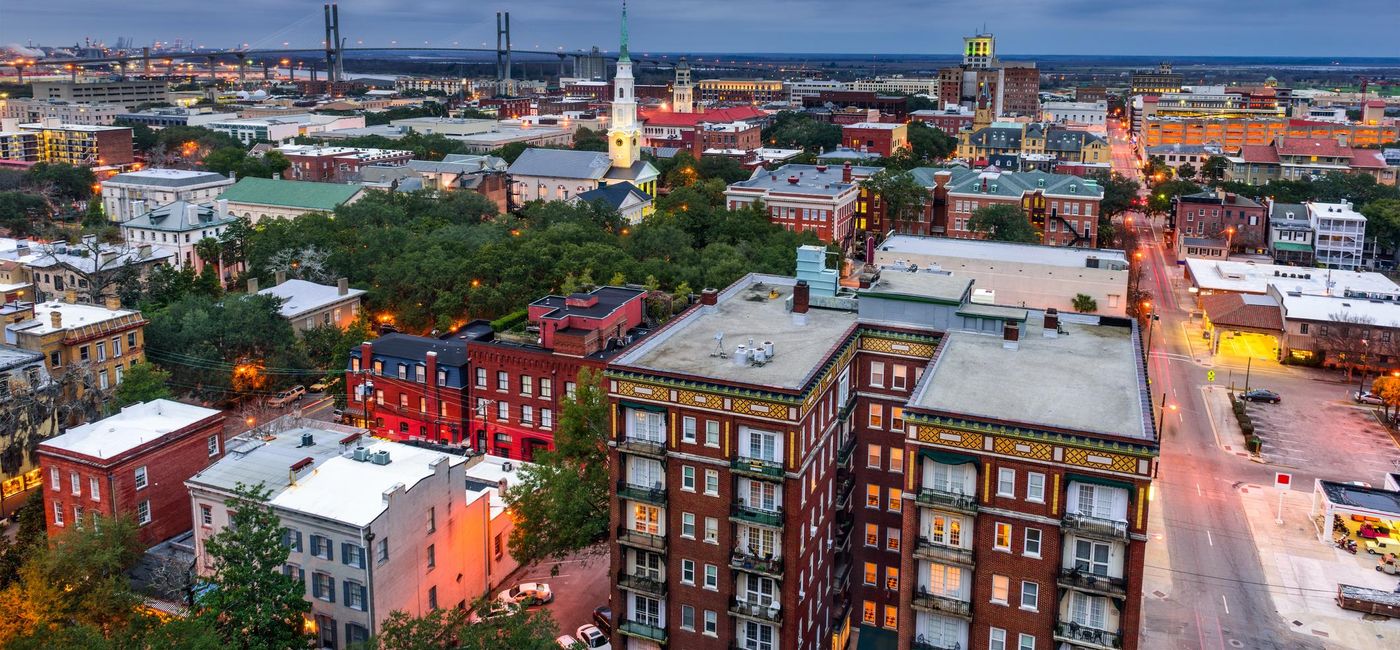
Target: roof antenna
[(719, 346)]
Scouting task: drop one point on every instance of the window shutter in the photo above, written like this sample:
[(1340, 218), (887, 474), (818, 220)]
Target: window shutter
[(315, 586), (330, 589), (345, 557), (346, 587)]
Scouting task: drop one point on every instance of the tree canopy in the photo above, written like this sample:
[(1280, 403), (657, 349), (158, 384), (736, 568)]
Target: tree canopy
[(794, 129), (516, 628), (1003, 222)]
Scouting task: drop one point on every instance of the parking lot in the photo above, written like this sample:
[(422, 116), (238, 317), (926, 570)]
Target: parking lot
[(1318, 428), (580, 584)]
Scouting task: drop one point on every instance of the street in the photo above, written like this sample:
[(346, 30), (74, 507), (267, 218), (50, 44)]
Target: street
[(1204, 586)]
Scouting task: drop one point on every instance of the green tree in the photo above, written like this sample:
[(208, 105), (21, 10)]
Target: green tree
[(561, 501), (586, 139), (1383, 221), (1160, 200), (94, 217), (901, 196), (1084, 303), (61, 181), (142, 382), (23, 214), (253, 604), (793, 129), (1003, 222), (511, 151), (210, 251), (929, 144), (453, 629), (1214, 168), (1186, 171), (32, 534)]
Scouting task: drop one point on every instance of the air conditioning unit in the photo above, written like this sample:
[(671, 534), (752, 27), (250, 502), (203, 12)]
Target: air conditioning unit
[(361, 454), (379, 458)]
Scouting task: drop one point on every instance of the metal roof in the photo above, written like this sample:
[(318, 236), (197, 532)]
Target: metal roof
[(287, 193), (562, 163)]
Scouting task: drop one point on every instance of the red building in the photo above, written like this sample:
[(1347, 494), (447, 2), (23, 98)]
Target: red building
[(507, 108), (894, 106), (884, 138), (949, 121), (406, 387), (133, 463), (1223, 215), (668, 129), (337, 164)]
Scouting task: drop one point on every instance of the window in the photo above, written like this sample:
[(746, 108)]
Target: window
[(872, 535), (546, 419), (872, 573), (896, 460), (322, 587), (1088, 611), (688, 478), (116, 347), (687, 429), (711, 433), (892, 578), (711, 576), (55, 480), (688, 525), (891, 616), (75, 483), (687, 618), (711, 623), (901, 377), (711, 530), (1001, 589), (570, 389), (872, 456), (1006, 483), (431, 556), (141, 477), (206, 516), (892, 539), (1035, 487), (420, 372), (1032, 544), (1030, 595), (57, 513), (213, 444), (143, 512), (877, 374), (527, 414), (1091, 557), (646, 519), (1100, 502), (687, 572), (355, 633), (321, 547), (946, 530), (896, 418), (1026, 642), (502, 411), (527, 385), (402, 368), (354, 595), (872, 496), (101, 351), (481, 378), (1002, 541), (867, 614), (381, 551), (502, 381), (996, 639), (712, 482), (894, 500), (352, 555), (291, 539), (546, 387), (877, 416)]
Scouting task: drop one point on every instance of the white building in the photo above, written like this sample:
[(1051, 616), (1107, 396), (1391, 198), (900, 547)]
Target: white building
[(1339, 234), (902, 85), (308, 305), (285, 127), (1090, 113), (38, 110), (130, 195), (178, 226), (799, 90), (372, 526)]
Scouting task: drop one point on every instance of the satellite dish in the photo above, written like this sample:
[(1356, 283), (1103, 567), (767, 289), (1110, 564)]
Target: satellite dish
[(719, 336)]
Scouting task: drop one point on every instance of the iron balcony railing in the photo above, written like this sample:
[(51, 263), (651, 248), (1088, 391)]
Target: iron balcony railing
[(1071, 632), (942, 604), (639, 581), (939, 498), (762, 564), (637, 492), (1096, 527), (845, 452), (643, 446), (641, 630), (922, 643), (924, 549), (1084, 580), (759, 467), (639, 539), (749, 514), (745, 609)]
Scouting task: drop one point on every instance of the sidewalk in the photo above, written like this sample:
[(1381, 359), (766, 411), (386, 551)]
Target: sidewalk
[(1303, 572)]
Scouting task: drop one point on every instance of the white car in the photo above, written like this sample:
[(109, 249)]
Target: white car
[(567, 642), (592, 638), (527, 593), (1367, 397)]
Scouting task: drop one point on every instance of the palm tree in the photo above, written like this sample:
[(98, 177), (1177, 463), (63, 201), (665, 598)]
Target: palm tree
[(211, 252)]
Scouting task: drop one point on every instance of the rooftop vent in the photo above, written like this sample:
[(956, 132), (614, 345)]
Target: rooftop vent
[(792, 180), (307, 440), (379, 458), (361, 454)]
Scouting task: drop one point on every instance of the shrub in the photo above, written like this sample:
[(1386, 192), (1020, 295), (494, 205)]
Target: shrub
[(510, 320)]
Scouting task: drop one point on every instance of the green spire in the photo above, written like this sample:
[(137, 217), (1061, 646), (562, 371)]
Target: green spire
[(622, 54)]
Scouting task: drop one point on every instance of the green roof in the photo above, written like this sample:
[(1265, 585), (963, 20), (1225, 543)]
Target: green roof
[(292, 194), (1292, 246)]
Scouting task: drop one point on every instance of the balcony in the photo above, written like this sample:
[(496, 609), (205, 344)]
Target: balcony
[(1107, 529), (636, 492), (921, 643), (942, 604), (1072, 578), (642, 582), (938, 498), (640, 630), (641, 540), (844, 492), (746, 514), (763, 565), (757, 467), (844, 454), (766, 613), (643, 446), (1081, 635), (841, 576), (927, 550)]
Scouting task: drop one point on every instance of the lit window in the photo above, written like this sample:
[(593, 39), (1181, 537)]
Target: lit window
[(1001, 589), (1002, 541)]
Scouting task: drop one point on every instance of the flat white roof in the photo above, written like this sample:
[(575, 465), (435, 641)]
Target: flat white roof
[(73, 316), (999, 251), (350, 491), (887, 126), (1251, 277), (134, 426), (1381, 313), (300, 296)]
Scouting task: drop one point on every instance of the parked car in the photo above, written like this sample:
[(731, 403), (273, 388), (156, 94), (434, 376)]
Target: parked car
[(602, 616), (319, 387), (293, 394), (527, 593), (1367, 397), (1262, 395), (567, 642), (338, 415), (592, 638), (491, 611)]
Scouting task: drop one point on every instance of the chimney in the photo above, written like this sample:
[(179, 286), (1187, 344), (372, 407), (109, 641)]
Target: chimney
[(70, 296), (277, 176), (1011, 335), (846, 172), (191, 213), (1052, 323), (278, 278), (114, 302), (221, 207), (801, 294), (143, 251), (429, 379), (709, 296), (56, 319), (252, 285), (233, 176), (342, 287)]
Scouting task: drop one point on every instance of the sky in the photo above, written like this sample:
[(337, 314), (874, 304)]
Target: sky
[(1333, 28)]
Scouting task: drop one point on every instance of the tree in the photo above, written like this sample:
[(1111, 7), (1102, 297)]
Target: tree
[(1084, 303), (253, 604), (1160, 199), (104, 267), (1387, 387), (1214, 168), (511, 151), (142, 382), (1346, 341), (901, 196), (930, 144), (561, 502), (23, 214), (61, 181), (1186, 171), (210, 251), (450, 629), (1383, 221), (790, 128), (1003, 222), (586, 139)]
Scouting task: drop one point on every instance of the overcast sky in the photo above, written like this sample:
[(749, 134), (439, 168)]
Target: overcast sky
[(1166, 27)]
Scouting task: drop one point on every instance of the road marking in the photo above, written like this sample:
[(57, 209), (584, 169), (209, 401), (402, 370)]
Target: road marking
[(1225, 603), (1211, 540), (1198, 490)]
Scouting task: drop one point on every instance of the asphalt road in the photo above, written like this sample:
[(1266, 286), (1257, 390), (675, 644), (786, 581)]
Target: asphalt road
[(1217, 597), (580, 583)]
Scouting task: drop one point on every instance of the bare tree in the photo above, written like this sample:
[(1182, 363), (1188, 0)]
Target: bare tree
[(307, 263), (100, 267), (1348, 341)]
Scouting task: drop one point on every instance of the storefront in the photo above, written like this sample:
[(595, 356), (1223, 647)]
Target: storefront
[(1243, 325), (1369, 516)]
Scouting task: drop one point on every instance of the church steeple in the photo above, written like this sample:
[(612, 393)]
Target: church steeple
[(625, 132), (622, 52)]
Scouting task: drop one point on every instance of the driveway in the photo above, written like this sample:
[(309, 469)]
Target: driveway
[(580, 583)]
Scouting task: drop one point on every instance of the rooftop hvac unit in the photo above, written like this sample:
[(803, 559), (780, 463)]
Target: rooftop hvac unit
[(361, 454), (379, 458), (307, 440)]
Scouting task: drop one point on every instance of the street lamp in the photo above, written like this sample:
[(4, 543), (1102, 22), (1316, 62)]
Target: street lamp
[(1229, 240), (1151, 318)]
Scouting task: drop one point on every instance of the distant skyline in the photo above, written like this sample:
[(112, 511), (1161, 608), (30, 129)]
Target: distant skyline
[(1340, 28)]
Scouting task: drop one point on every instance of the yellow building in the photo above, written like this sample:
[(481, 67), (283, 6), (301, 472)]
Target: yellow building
[(85, 347), (1023, 145)]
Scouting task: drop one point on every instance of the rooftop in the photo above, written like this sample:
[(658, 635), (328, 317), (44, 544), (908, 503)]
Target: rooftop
[(746, 310), (923, 285), (1003, 251), (809, 179), (1356, 496), (1252, 277), (73, 316), (295, 194), (300, 297), (994, 181), (1088, 379), (614, 195), (560, 163), (1230, 310), (168, 178), (12, 357), (450, 352), (134, 426), (342, 489), (609, 300), (883, 126), (1380, 313), (180, 216)]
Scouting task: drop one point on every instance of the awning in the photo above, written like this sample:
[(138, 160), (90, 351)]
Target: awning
[(1099, 480), (642, 406), (874, 638), (947, 457), (1292, 246)]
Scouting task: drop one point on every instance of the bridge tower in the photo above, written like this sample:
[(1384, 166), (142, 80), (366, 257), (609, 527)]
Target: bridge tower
[(503, 76)]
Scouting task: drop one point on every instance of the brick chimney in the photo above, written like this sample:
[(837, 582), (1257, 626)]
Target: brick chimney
[(429, 379), (342, 286), (70, 296), (279, 277), (1052, 323), (252, 285), (114, 302), (1011, 335), (56, 319), (801, 296), (846, 172), (709, 296)]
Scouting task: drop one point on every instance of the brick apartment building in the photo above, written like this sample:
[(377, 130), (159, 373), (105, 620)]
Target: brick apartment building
[(884, 138), (818, 198), (896, 107), (791, 464), (1063, 209), (496, 392), (132, 463), (1223, 215), (337, 164), (739, 91)]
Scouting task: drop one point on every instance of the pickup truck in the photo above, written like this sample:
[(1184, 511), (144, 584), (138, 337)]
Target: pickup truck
[(293, 394)]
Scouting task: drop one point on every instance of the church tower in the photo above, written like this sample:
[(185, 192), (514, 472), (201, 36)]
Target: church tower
[(625, 133), (682, 93), (983, 116)]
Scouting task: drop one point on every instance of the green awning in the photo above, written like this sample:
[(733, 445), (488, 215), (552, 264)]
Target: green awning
[(874, 638), (947, 457), (1292, 246), (1099, 480), (641, 406)]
